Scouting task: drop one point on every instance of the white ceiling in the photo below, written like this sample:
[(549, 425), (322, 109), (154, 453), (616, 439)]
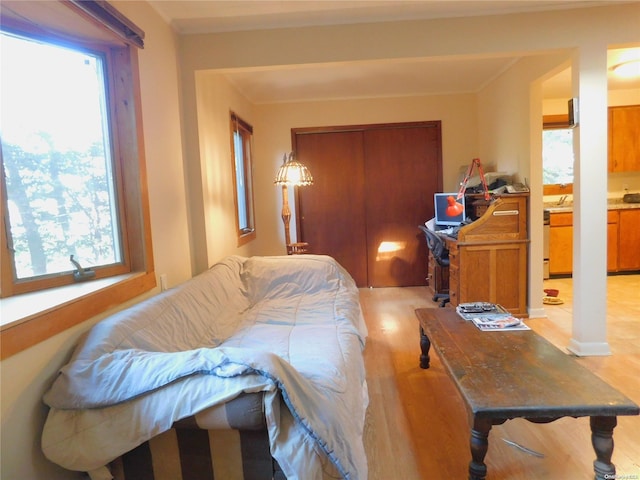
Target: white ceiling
[(206, 16), (368, 78)]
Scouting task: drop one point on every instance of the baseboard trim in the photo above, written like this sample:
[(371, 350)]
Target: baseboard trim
[(537, 313), (589, 349)]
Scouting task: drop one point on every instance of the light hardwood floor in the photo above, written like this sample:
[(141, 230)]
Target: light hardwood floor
[(417, 426)]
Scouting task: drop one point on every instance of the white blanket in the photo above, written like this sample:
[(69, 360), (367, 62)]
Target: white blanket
[(289, 326)]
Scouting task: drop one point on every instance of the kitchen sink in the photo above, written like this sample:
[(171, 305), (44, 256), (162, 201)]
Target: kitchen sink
[(631, 198)]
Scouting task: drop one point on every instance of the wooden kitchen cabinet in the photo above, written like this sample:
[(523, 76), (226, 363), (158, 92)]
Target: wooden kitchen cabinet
[(612, 240), (624, 138), (629, 235), (561, 243)]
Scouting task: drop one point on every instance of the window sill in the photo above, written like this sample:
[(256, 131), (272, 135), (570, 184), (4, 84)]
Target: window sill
[(30, 318)]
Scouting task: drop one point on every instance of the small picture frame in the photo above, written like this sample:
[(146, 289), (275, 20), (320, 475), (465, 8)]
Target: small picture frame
[(574, 117)]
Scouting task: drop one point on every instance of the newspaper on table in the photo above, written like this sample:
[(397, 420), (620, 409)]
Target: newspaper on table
[(490, 317)]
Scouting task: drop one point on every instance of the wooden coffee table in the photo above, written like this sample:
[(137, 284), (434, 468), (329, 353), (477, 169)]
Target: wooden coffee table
[(519, 374)]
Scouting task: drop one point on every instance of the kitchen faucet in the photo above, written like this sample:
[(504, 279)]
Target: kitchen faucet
[(562, 199)]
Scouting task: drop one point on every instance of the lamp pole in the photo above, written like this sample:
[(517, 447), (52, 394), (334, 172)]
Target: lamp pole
[(286, 214)]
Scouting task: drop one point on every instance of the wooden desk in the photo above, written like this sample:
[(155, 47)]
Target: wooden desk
[(544, 384), (488, 262)]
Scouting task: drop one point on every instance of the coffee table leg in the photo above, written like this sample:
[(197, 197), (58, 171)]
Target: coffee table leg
[(425, 345), (602, 441), (479, 445)]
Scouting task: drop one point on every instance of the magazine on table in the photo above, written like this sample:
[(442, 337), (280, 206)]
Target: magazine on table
[(490, 317)]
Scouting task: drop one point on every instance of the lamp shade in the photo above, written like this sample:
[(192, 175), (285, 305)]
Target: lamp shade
[(454, 208), (292, 172)]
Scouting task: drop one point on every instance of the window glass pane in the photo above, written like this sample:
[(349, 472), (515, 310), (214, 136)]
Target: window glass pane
[(57, 158), (240, 181), (557, 156)]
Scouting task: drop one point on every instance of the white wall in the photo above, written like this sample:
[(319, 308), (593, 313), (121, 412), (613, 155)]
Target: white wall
[(505, 111), (273, 137), (511, 137), (272, 123), (503, 128), (216, 98), (26, 375)]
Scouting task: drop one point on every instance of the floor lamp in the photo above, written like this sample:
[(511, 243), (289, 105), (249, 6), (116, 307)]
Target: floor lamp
[(293, 173)]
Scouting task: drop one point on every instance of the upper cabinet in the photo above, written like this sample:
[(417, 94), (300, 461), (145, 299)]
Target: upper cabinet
[(624, 138)]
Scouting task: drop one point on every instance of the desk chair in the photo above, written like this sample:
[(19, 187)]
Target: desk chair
[(440, 253)]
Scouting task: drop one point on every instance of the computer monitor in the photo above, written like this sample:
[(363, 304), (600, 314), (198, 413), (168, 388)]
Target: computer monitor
[(441, 202)]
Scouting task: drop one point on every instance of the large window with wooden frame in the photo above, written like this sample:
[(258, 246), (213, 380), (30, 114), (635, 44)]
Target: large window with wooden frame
[(557, 155), (241, 155), (73, 204), (60, 179)]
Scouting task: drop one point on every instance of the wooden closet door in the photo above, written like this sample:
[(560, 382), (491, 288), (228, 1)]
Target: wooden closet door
[(373, 186), (330, 213), (402, 172)]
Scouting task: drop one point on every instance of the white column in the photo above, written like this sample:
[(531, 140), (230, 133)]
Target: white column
[(589, 333)]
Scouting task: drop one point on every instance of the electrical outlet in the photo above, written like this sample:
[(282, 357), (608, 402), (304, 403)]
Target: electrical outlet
[(163, 282)]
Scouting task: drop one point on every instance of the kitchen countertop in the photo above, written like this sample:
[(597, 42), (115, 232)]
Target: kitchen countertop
[(612, 204)]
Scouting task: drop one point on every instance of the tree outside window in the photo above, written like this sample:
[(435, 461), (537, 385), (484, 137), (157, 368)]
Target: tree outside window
[(557, 156), (56, 152)]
